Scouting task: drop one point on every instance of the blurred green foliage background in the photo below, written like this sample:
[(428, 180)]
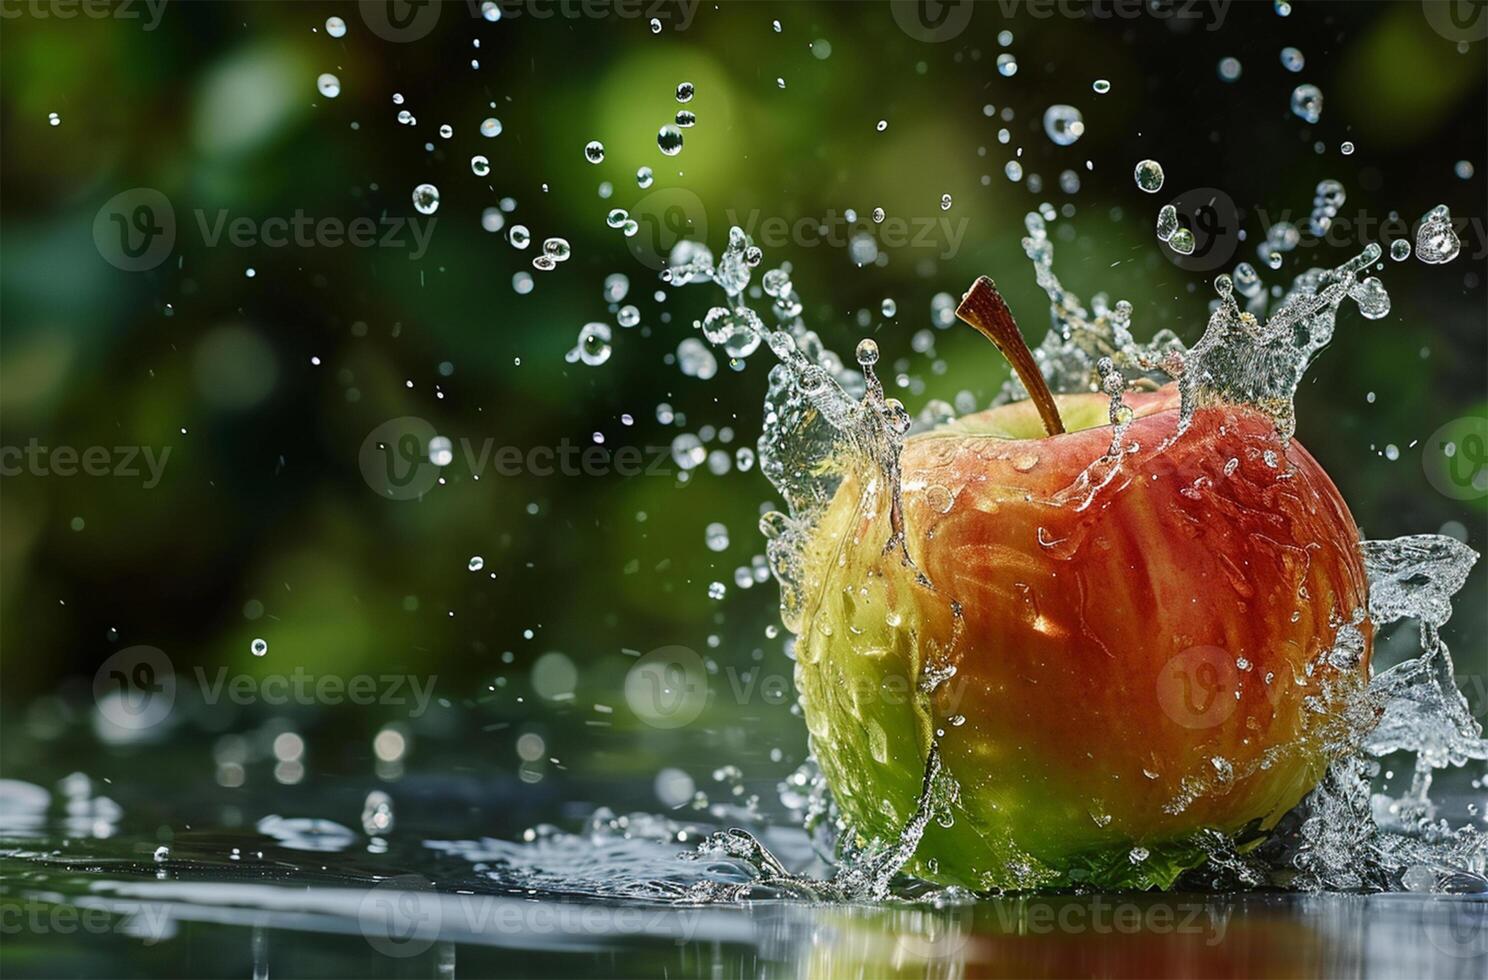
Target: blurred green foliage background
[(265, 388)]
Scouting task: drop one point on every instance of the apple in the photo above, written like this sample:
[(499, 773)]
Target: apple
[(1120, 664)]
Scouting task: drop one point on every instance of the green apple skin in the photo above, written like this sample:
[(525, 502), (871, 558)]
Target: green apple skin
[(1135, 667)]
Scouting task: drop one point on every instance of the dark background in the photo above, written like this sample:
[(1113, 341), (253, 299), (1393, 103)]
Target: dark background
[(263, 504)]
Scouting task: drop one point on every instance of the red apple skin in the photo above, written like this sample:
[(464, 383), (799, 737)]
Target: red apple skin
[(1114, 653)]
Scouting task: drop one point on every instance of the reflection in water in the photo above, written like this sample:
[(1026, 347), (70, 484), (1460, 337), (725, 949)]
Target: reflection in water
[(301, 896)]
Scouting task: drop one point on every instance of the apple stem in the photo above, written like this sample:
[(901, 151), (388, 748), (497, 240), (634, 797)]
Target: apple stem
[(984, 308)]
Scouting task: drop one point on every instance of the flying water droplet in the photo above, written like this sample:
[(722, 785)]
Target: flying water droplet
[(616, 287), (1373, 300), (328, 84), (1292, 59), (426, 198), (1167, 222), (594, 151), (1436, 241), (1063, 124), (593, 347), (696, 360), (669, 140), (1149, 176), (1307, 102), (716, 536)]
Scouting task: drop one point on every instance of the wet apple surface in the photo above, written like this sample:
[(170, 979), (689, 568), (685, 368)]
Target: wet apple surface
[(1114, 650)]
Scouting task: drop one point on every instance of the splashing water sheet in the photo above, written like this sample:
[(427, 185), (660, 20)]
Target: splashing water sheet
[(1063, 658)]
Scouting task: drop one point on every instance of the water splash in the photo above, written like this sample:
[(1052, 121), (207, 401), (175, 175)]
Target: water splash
[(1353, 837), (1240, 360)]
